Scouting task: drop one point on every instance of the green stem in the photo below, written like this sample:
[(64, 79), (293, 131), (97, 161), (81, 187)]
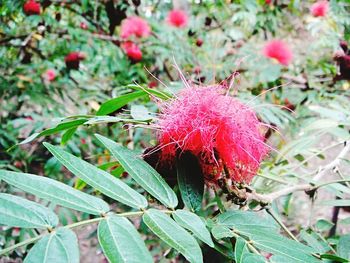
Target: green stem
[(74, 225), (332, 182), (274, 216), (24, 243)]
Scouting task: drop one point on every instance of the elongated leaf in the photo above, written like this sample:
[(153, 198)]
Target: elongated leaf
[(263, 234), (247, 219), (193, 223), (59, 246), (116, 103), (68, 134), (99, 179), (172, 234), (240, 250), (141, 172), (65, 125), (276, 244), (343, 248), (253, 258), (56, 192), (121, 242), (342, 202), (19, 212), (191, 181), (160, 94)]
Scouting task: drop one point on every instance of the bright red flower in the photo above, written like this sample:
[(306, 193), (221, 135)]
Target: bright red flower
[(72, 59), (132, 51), (268, 2), (320, 8), (31, 8), (134, 26), (278, 50), (50, 75), (177, 18), (219, 130)]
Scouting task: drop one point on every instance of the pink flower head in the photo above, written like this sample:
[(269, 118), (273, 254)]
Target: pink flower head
[(177, 18), (278, 50), (72, 59), (49, 75), (132, 51), (31, 8), (320, 8), (222, 132), (268, 2), (134, 26)]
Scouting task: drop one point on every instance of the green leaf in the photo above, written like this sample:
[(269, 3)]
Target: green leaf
[(334, 258), (121, 242), (324, 225), (116, 103), (246, 219), (68, 135), (263, 234), (160, 94), (240, 249), (253, 258), (341, 202), (191, 181), (99, 179), (59, 246), (277, 244), (194, 223), (55, 192), (140, 112), (141, 172), (220, 232), (19, 212), (65, 125), (172, 234), (343, 248)]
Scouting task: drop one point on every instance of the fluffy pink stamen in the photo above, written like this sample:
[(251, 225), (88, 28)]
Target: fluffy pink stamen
[(220, 130)]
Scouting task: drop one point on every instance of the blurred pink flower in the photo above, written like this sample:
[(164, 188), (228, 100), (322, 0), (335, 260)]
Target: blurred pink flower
[(134, 26), (49, 75), (320, 8), (132, 51), (73, 58), (31, 7), (278, 50), (177, 18)]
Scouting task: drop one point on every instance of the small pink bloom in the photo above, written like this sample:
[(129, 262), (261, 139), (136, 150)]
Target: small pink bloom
[(320, 8), (134, 26), (83, 26), (152, 84), (50, 75), (278, 50), (268, 2), (73, 59), (31, 8), (177, 18), (132, 51)]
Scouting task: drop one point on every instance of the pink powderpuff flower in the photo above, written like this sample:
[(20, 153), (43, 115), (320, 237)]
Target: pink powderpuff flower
[(278, 50), (222, 132), (31, 8), (73, 59), (320, 8), (134, 26), (177, 18), (132, 51), (268, 2), (49, 75)]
